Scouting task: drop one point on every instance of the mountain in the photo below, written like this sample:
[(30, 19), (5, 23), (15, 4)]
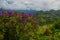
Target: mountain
[(0, 9), (29, 11), (25, 11)]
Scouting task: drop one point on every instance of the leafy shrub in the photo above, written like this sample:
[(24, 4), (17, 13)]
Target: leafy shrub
[(57, 25), (18, 26)]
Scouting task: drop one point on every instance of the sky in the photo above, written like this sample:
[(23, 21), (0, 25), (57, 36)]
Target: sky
[(30, 4)]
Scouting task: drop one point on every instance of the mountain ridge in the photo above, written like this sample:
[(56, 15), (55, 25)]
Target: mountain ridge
[(25, 11)]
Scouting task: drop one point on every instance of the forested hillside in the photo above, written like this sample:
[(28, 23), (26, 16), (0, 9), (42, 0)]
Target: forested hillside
[(42, 25)]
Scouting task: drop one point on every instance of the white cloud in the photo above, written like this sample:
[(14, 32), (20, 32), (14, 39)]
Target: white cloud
[(33, 4)]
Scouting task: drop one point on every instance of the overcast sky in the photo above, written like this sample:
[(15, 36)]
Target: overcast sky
[(30, 4)]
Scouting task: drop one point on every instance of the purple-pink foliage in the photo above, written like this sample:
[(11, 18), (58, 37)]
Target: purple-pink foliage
[(0, 14), (23, 21), (8, 13), (30, 15)]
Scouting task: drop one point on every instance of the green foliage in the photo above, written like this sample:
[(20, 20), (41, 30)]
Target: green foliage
[(21, 26), (57, 25)]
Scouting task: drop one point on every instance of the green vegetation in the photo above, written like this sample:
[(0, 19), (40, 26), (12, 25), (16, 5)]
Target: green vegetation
[(44, 25)]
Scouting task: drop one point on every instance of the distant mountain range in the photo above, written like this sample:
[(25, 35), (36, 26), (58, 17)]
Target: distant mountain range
[(0, 9), (25, 11)]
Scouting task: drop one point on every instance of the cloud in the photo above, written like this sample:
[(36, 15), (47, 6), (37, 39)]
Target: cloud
[(30, 4)]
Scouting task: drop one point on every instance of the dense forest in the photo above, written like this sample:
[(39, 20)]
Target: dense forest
[(38, 25)]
